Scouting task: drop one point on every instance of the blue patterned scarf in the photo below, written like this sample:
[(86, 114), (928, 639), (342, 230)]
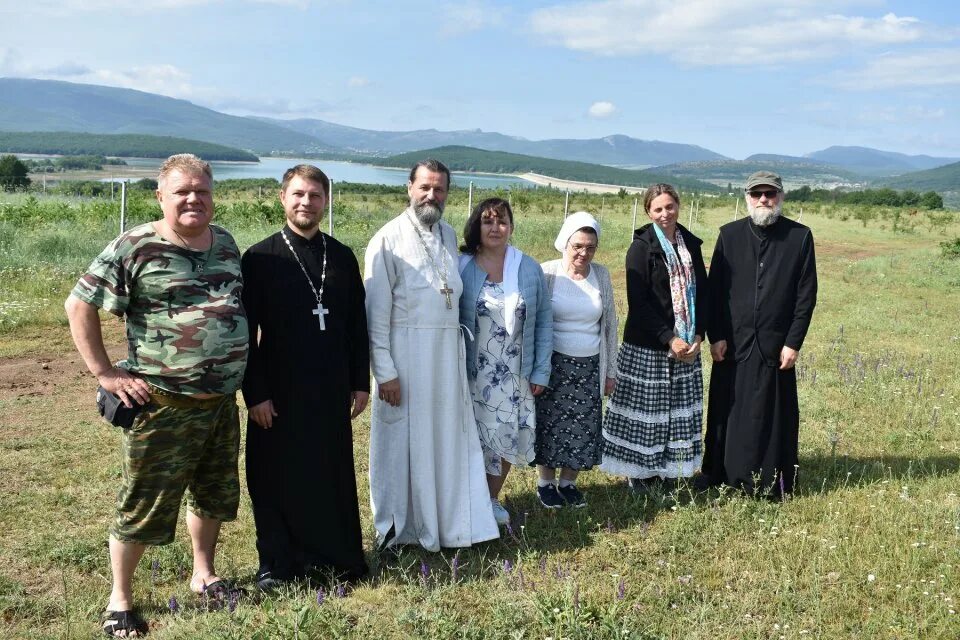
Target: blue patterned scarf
[(683, 285)]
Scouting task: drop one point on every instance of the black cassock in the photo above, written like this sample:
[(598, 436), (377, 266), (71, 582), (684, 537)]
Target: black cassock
[(763, 288), (300, 472)]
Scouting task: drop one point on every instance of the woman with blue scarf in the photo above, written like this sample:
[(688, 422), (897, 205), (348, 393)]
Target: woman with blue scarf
[(653, 422)]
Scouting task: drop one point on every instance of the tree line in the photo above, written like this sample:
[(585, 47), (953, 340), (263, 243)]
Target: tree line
[(884, 197)]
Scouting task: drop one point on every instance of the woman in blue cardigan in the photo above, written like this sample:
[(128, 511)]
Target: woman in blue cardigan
[(506, 307)]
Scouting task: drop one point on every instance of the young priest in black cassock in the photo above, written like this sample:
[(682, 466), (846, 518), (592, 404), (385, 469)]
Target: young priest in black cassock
[(763, 289), (307, 377)]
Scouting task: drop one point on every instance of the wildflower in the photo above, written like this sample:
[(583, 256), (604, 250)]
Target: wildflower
[(621, 589), (871, 577), (576, 599), (321, 596), (154, 567), (173, 605), (342, 590), (507, 565), (455, 566), (424, 571), (609, 525), (232, 602), (543, 565)]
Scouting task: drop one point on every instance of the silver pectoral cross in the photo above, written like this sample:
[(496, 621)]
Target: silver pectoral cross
[(446, 290), (320, 312)]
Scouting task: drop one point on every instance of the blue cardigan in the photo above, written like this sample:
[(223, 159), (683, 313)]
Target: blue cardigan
[(537, 342)]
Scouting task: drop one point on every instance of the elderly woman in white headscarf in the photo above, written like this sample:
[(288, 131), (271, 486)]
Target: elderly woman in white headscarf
[(583, 364)]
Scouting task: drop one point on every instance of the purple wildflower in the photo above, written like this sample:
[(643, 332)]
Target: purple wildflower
[(576, 599), (621, 589), (232, 601), (455, 566), (507, 566), (173, 605), (510, 531), (543, 565), (341, 590), (154, 567), (321, 596), (424, 571), (609, 525)]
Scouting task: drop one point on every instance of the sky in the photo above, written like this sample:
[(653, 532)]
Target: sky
[(735, 76)]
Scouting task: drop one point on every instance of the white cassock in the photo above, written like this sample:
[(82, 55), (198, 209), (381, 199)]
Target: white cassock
[(427, 479)]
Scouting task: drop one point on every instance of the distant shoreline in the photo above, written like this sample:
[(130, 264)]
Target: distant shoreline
[(577, 185)]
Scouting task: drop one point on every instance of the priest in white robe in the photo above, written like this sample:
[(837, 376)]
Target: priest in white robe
[(427, 480)]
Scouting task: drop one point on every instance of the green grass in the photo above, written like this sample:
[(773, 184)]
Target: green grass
[(869, 547)]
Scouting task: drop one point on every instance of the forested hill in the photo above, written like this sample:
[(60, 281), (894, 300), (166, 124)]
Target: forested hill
[(942, 179), (127, 145), (470, 159), (51, 105)]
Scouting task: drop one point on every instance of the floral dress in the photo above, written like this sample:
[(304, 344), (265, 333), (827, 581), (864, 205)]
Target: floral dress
[(502, 400)]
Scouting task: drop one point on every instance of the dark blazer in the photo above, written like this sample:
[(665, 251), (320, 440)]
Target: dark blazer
[(763, 284), (649, 303)]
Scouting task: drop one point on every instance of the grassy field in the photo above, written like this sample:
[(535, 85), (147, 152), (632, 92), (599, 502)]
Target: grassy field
[(868, 548)]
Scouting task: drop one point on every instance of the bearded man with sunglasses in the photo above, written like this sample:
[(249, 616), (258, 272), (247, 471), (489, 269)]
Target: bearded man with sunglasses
[(763, 289)]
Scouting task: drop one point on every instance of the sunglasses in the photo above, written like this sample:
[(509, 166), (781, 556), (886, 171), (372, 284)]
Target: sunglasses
[(770, 193)]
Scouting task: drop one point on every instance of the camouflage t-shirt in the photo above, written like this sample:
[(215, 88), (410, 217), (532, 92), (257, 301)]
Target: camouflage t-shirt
[(186, 328)]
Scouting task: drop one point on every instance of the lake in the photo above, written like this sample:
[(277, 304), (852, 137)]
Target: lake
[(336, 171)]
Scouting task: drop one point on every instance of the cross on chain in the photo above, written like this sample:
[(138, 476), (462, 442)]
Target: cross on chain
[(446, 290), (320, 312)]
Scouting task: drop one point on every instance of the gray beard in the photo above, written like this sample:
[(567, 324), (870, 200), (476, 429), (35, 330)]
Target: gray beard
[(428, 214), (764, 216)]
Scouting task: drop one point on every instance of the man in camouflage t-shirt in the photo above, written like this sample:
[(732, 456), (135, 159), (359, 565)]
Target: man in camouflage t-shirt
[(177, 282)]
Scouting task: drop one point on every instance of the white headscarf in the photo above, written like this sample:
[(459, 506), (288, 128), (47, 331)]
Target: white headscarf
[(573, 223)]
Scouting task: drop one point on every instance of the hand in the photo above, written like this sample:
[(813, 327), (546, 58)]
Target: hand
[(690, 355), (788, 358), (359, 401), (718, 350), (678, 346), (125, 386), (609, 385), (390, 392), (536, 389), (263, 413)]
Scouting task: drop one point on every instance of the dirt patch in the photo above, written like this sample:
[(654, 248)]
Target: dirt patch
[(45, 375), (849, 251)]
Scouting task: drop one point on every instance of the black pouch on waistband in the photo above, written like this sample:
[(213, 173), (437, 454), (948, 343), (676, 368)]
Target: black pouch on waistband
[(113, 410)]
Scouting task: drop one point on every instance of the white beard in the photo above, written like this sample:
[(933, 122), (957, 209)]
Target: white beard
[(428, 214), (764, 216)]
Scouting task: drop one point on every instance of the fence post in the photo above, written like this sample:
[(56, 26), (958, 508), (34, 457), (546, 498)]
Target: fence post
[(330, 209), (736, 214), (123, 206), (636, 202), (470, 199), (566, 204)]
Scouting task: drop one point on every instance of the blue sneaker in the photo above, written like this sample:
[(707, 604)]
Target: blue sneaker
[(572, 495), (550, 497)]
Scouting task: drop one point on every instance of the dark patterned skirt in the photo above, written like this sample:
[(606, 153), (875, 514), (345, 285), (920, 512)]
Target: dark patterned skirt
[(568, 414), (655, 417)]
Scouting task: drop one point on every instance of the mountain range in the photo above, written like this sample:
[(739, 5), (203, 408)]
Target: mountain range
[(48, 105)]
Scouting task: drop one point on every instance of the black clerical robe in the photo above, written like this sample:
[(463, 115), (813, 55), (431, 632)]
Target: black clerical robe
[(300, 472), (763, 289)]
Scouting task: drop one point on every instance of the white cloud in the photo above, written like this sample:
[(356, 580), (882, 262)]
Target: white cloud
[(466, 17), (358, 81), (927, 68), (733, 33), (891, 114), (602, 109)]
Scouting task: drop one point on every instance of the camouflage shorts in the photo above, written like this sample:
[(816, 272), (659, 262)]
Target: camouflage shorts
[(170, 450)]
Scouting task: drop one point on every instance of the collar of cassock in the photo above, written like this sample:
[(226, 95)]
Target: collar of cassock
[(313, 244)]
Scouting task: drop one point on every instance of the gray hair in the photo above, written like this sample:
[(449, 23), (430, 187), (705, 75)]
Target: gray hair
[(433, 166), (184, 163)]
